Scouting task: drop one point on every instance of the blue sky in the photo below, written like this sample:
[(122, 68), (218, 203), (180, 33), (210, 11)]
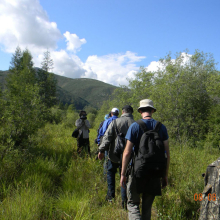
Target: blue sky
[(107, 40)]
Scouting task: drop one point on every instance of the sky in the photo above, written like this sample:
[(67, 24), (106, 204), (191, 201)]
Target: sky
[(107, 40)]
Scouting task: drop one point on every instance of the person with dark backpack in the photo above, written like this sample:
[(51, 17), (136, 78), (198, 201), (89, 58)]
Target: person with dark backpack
[(147, 141), (116, 131)]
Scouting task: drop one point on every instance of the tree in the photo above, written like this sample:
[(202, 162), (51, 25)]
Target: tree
[(47, 63), (182, 91), (15, 64), (47, 81), (24, 112)]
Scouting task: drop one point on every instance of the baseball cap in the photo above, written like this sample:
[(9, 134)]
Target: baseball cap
[(128, 107), (115, 110)]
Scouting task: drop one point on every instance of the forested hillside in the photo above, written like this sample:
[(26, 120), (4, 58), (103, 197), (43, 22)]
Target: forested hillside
[(80, 92), (42, 177)]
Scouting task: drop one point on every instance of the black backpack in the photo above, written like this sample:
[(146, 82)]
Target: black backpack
[(120, 143), (149, 159)]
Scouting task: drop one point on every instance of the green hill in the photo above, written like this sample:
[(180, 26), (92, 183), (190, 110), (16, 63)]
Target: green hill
[(81, 92)]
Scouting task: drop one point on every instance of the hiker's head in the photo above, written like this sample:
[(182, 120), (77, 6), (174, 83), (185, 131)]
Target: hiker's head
[(115, 112), (127, 109), (146, 105), (82, 114), (106, 116)]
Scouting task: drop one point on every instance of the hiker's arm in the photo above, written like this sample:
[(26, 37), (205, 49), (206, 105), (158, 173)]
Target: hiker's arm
[(101, 132), (108, 138), (87, 124), (79, 123), (125, 160), (166, 145)]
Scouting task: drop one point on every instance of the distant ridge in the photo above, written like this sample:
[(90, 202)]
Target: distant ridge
[(81, 92)]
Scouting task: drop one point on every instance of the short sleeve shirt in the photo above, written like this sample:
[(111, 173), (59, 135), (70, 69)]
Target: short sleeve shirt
[(134, 132)]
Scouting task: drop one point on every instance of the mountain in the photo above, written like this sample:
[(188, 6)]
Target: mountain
[(81, 92)]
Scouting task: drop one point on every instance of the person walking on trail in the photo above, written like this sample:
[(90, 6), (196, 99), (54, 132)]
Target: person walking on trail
[(83, 139), (152, 186), (114, 115), (107, 116), (120, 125)]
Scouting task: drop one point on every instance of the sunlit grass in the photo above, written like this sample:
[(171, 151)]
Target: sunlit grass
[(53, 182)]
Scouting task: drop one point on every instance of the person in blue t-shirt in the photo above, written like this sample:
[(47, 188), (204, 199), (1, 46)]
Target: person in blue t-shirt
[(152, 186)]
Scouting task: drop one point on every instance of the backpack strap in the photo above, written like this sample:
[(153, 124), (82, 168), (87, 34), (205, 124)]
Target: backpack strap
[(116, 129), (157, 126), (142, 125)]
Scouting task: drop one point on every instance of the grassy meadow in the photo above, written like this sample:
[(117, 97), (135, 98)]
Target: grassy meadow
[(50, 181)]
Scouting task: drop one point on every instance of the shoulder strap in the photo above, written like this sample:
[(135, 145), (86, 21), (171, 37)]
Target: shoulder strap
[(142, 125), (157, 126), (117, 132)]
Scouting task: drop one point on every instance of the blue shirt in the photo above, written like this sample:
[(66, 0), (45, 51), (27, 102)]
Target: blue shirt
[(134, 132), (105, 126)]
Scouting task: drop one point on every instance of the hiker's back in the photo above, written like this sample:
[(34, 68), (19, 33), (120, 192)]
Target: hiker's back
[(149, 159)]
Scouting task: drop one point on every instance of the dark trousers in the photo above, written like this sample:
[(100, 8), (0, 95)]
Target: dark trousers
[(83, 145), (111, 171)]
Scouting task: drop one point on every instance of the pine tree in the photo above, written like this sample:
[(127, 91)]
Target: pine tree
[(47, 63), (47, 81), (24, 112)]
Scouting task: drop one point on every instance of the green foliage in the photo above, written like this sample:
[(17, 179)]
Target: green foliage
[(47, 82), (47, 63), (184, 91), (80, 92), (185, 179), (83, 92), (47, 87), (65, 186), (26, 203), (91, 118), (24, 112), (70, 119)]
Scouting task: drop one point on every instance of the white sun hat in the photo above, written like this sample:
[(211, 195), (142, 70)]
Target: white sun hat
[(146, 103)]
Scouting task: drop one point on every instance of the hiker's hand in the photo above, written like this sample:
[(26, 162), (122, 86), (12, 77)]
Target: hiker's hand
[(164, 182), (123, 181), (100, 155)]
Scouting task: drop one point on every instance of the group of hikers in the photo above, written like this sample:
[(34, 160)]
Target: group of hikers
[(139, 149)]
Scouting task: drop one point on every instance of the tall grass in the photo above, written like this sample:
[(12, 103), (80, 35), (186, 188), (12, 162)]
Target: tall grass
[(185, 179), (52, 182)]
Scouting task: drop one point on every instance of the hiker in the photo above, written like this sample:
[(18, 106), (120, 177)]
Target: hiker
[(114, 115), (120, 125), (83, 138), (150, 187), (107, 116)]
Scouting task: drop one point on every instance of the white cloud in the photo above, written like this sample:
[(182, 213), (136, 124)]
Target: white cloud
[(154, 66), (64, 64), (113, 68), (25, 23), (73, 41)]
